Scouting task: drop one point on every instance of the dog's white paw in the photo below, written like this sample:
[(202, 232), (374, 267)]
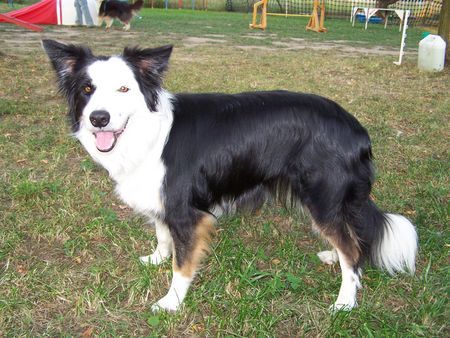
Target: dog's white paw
[(328, 257), (144, 260), (167, 303), (155, 258), (336, 307)]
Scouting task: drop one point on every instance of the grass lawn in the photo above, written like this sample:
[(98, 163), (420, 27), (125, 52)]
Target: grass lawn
[(69, 249)]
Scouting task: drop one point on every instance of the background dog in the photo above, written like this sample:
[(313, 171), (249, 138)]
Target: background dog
[(177, 157), (116, 9)]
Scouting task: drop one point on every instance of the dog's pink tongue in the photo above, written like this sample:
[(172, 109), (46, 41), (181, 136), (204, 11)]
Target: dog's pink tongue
[(104, 140)]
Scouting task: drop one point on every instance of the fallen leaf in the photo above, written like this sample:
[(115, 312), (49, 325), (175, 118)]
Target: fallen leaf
[(22, 270), (88, 332)]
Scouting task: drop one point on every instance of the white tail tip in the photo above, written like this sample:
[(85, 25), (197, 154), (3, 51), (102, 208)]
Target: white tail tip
[(398, 248)]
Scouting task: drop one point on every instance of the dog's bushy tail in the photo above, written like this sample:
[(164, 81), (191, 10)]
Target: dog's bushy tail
[(137, 5), (389, 240), (396, 249)]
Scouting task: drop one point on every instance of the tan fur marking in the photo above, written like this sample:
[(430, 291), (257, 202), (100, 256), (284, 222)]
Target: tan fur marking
[(315, 227), (352, 252), (204, 232)]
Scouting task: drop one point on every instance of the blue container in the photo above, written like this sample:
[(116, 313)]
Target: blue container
[(374, 19)]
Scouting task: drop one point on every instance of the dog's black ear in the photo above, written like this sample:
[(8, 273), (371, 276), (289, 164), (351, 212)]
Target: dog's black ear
[(65, 57), (149, 66), (150, 61)]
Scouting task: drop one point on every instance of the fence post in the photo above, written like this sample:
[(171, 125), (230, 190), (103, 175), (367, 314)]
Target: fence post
[(444, 26)]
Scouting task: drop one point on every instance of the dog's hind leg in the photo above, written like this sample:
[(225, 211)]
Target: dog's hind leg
[(191, 242), (126, 26), (346, 250), (333, 214), (163, 248), (350, 284), (329, 256)]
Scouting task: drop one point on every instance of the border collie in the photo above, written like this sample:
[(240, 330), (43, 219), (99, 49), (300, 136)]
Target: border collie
[(116, 9), (175, 158)]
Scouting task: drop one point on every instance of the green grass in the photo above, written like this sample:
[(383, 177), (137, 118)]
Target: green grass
[(234, 26), (69, 249)]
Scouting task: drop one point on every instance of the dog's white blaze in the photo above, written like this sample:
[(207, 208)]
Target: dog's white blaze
[(135, 162), (108, 76)]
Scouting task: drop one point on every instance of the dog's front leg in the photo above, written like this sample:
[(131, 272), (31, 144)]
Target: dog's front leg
[(190, 245), (109, 21), (163, 248)]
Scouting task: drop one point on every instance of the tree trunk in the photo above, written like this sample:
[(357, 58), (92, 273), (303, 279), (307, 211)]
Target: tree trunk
[(444, 26)]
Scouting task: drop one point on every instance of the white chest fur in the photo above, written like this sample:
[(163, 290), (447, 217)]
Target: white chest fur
[(142, 189), (135, 163)]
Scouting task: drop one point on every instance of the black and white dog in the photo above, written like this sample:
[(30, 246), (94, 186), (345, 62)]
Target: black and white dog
[(176, 157), (117, 9)]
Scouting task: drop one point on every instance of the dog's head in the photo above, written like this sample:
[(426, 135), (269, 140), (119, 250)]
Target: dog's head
[(109, 95)]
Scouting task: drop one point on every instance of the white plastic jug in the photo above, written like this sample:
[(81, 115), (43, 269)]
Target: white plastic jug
[(431, 53)]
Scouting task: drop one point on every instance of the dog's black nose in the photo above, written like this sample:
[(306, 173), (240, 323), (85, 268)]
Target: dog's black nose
[(99, 118)]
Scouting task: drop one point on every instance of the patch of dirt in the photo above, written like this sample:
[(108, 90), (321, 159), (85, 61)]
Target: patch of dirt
[(193, 41), (343, 47), (16, 41), (215, 35), (255, 37), (264, 48)]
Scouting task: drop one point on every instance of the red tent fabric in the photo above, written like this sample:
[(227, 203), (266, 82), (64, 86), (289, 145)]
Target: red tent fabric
[(43, 12)]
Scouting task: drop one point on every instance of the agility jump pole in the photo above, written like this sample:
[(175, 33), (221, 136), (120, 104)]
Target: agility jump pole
[(315, 24), (263, 23)]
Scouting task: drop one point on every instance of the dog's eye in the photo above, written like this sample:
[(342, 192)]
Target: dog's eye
[(123, 89), (88, 89)]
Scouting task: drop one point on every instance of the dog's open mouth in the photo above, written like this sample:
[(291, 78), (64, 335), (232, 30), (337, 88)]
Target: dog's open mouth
[(105, 141)]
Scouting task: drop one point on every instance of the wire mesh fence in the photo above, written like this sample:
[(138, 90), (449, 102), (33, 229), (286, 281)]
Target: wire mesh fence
[(423, 12)]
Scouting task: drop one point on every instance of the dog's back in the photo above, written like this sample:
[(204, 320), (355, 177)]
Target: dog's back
[(121, 10)]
